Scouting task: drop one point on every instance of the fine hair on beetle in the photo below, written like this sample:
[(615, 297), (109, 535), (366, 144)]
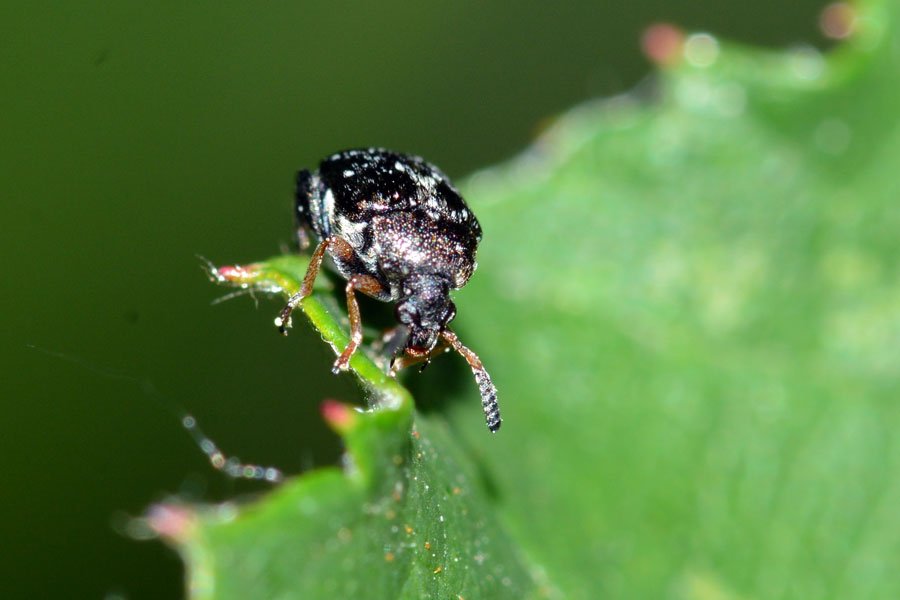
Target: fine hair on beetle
[(397, 230)]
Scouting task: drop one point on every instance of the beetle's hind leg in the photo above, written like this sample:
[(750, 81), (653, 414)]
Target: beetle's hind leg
[(370, 286)]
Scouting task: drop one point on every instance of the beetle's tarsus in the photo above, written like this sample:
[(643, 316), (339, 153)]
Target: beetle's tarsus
[(283, 320)]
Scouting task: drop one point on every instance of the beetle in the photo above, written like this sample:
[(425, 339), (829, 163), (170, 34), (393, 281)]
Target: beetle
[(397, 230)]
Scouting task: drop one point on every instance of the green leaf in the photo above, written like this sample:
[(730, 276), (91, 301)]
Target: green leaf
[(405, 517), (691, 308)]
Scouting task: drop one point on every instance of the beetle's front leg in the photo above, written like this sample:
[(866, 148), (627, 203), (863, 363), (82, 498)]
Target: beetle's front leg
[(368, 285), (283, 320)]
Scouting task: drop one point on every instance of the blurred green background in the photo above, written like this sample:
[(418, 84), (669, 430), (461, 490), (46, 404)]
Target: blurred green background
[(137, 136)]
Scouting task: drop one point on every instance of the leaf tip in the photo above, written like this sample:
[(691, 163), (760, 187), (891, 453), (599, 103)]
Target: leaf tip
[(235, 273), (172, 522)]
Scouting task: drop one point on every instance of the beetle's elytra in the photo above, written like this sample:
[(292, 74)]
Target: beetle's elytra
[(398, 231)]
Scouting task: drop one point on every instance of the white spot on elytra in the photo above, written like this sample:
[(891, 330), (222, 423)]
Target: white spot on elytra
[(352, 231), (349, 173), (328, 202)]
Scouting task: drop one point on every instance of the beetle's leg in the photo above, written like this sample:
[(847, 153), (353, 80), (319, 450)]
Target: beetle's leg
[(283, 321), (485, 385), (368, 285)]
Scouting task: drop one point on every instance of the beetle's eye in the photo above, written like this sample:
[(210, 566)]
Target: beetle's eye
[(450, 313)]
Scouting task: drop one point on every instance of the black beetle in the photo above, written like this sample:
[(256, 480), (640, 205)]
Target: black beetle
[(398, 231)]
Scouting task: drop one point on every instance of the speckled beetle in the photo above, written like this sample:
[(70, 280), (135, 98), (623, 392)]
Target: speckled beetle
[(398, 231)]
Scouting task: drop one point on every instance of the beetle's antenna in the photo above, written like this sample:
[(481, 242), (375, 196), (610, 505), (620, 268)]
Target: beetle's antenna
[(485, 385)]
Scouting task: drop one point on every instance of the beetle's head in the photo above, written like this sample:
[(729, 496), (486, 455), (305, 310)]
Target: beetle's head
[(425, 309)]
